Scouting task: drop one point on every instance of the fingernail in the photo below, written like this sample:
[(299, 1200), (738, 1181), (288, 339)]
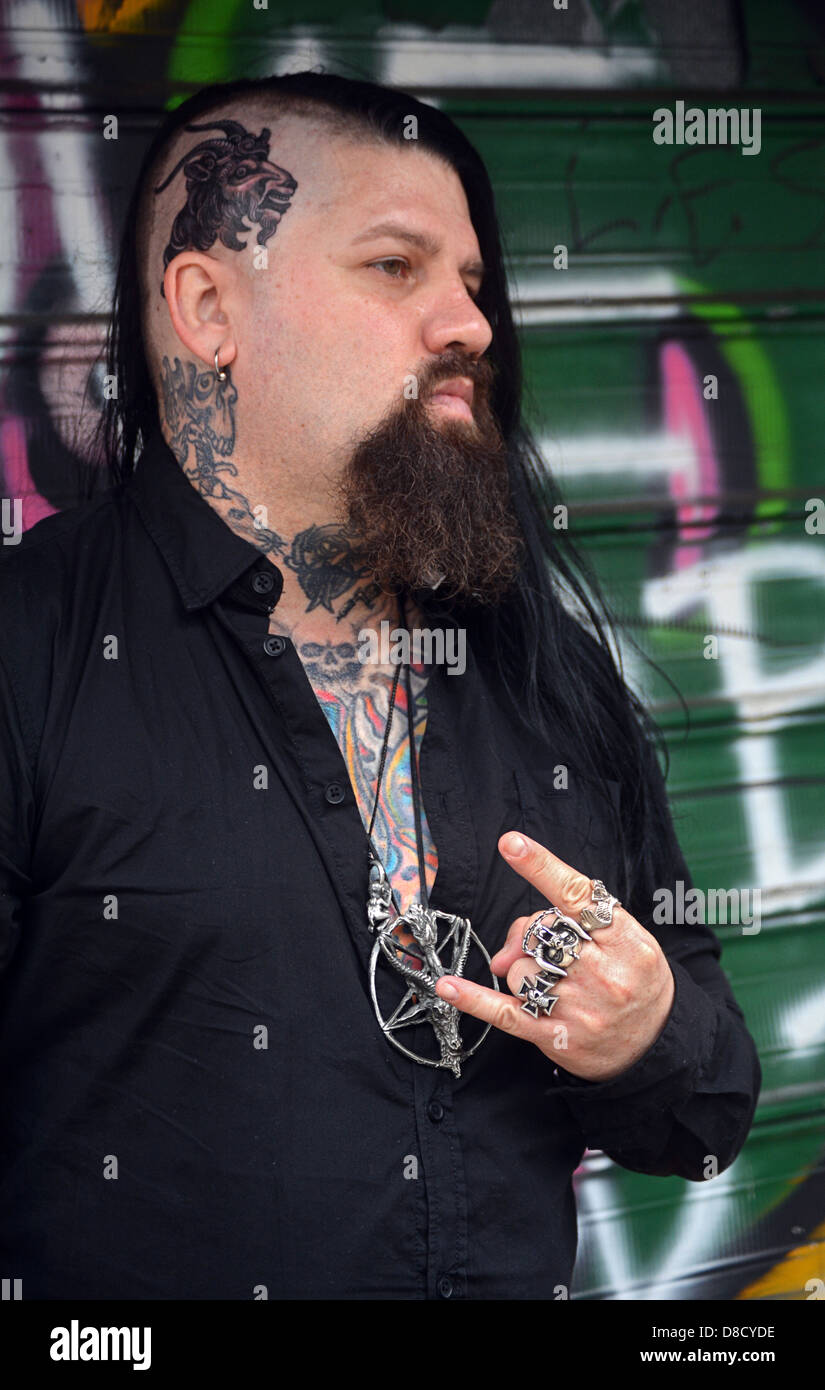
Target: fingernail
[(446, 989), (515, 847)]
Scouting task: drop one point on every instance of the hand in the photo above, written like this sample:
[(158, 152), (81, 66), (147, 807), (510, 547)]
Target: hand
[(616, 997)]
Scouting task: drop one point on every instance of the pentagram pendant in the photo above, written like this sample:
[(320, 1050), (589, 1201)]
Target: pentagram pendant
[(419, 1002)]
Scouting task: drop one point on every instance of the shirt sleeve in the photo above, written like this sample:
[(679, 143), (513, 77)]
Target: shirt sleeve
[(16, 814), (692, 1096)]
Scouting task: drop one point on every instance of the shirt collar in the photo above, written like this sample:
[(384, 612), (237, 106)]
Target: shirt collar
[(203, 553)]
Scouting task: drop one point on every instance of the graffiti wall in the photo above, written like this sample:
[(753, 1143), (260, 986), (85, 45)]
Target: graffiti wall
[(670, 296)]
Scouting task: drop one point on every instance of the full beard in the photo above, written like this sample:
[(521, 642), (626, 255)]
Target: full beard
[(427, 504)]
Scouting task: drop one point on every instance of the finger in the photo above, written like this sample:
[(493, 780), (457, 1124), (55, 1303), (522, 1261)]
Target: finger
[(511, 950), (502, 1010), (558, 882)]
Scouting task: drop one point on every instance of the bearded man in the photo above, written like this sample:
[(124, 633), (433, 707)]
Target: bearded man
[(322, 971)]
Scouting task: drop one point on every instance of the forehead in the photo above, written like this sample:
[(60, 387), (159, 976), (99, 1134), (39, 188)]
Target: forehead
[(352, 185)]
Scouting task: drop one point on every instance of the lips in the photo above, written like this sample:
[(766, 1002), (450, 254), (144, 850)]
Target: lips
[(455, 397), (456, 386)]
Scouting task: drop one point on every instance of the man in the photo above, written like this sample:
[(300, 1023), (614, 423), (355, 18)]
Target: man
[(230, 1071)]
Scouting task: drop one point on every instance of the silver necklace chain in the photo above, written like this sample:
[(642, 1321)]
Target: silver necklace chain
[(432, 930)]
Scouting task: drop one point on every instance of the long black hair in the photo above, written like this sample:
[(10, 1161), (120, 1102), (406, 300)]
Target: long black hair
[(559, 679)]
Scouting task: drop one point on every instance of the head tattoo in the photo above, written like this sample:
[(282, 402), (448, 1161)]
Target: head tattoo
[(229, 181)]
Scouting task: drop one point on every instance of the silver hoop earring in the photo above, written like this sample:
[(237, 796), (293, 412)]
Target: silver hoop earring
[(218, 373)]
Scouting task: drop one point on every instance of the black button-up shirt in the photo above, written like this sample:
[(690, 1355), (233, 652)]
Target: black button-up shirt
[(197, 1100)]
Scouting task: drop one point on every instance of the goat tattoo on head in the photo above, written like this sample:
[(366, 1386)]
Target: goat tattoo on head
[(229, 181)]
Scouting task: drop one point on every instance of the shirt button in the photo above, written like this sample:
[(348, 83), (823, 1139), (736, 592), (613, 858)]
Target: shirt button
[(262, 582), (335, 793), (274, 646), (445, 1287), (435, 1110)]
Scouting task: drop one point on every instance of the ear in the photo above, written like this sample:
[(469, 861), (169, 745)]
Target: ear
[(200, 293)]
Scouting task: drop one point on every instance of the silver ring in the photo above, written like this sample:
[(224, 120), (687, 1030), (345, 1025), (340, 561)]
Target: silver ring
[(536, 994), (555, 947), (218, 373), (559, 945), (601, 913)]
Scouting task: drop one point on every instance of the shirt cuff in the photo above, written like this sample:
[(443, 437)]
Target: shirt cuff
[(665, 1075)]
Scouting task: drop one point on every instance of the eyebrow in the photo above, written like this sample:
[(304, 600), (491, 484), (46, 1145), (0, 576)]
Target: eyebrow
[(422, 240)]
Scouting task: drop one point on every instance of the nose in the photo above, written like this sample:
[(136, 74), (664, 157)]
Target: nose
[(454, 320)]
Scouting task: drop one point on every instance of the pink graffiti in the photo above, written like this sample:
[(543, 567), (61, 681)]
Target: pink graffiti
[(18, 479), (685, 415)]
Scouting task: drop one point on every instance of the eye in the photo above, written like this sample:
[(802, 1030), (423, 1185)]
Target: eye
[(390, 261)]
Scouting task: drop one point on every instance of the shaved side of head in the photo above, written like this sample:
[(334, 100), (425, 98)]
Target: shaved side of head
[(221, 185)]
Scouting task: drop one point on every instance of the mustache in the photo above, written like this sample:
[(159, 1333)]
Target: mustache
[(452, 363)]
